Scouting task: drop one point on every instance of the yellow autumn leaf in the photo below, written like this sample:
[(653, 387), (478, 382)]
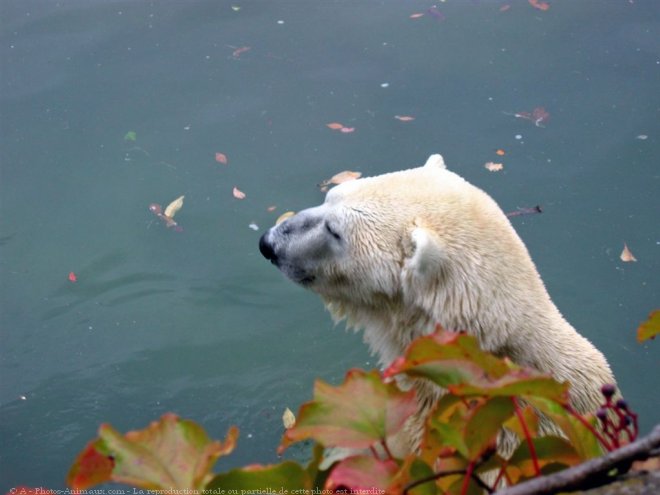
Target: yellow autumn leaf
[(288, 419), (173, 207)]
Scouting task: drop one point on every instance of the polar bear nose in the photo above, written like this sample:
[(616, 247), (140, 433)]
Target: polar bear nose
[(266, 249)]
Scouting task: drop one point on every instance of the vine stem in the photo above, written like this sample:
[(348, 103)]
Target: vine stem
[(586, 424), (383, 442), (466, 478), (528, 437)]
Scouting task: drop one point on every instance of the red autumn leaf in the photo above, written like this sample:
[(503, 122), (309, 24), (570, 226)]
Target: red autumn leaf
[(91, 467), (335, 126), (238, 194), (221, 158), (72, 277), (362, 474), (538, 4)]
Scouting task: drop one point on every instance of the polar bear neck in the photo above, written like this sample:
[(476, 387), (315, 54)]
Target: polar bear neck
[(534, 335)]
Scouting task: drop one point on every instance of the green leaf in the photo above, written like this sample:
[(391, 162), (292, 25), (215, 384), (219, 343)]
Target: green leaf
[(549, 450), (357, 414), (130, 136), (521, 383), (447, 359), (287, 475), (584, 441), (413, 469), (484, 423), (362, 473), (171, 453), (650, 328)]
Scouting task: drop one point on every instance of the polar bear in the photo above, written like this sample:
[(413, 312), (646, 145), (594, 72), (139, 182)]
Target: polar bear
[(397, 253)]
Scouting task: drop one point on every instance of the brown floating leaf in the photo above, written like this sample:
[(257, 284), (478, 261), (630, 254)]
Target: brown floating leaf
[(626, 254), (284, 216), (173, 207), (493, 167), (238, 194), (335, 126), (341, 177)]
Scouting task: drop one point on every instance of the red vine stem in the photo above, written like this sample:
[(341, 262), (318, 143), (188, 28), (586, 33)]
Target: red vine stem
[(586, 424), (383, 442), (466, 478), (528, 437)]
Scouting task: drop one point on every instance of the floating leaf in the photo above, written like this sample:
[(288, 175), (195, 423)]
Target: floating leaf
[(626, 255), (173, 207), (404, 118), (238, 51), (238, 194), (362, 474), (221, 158), (538, 4), (253, 226), (416, 15), (357, 414), (286, 477), (500, 152), (130, 136), (335, 126), (171, 453), (271, 208), (72, 277), (347, 130), (650, 328), (493, 167), (284, 216), (288, 419), (345, 176)]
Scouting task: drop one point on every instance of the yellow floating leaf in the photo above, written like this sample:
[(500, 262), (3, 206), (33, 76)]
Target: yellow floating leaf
[(493, 167), (173, 207), (288, 419), (284, 216), (626, 254), (341, 177)]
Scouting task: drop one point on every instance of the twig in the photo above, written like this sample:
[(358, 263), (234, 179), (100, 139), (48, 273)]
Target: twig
[(591, 473), (441, 474)]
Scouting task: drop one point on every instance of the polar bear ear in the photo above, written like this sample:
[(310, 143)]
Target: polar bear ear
[(426, 265), (435, 161)]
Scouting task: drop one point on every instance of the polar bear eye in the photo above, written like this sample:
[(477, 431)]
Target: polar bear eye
[(332, 232)]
